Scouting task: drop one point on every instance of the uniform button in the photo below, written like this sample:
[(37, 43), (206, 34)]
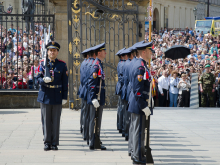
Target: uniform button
[(60, 91), (52, 68)]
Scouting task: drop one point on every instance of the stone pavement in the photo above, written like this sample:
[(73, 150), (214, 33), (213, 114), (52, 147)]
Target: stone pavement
[(179, 136)]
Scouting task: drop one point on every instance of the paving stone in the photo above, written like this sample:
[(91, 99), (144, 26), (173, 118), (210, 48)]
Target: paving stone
[(179, 136)]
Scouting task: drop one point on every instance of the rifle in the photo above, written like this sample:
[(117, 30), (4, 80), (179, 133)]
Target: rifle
[(149, 157), (44, 52), (97, 142)]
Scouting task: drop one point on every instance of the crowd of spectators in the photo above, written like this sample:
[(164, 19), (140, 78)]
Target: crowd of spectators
[(20, 56), (172, 78)]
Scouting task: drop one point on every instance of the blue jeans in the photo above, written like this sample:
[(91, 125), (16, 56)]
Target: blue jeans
[(173, 99)]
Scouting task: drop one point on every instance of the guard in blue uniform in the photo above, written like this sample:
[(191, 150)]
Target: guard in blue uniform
[(119, 86), (138, 102), (91, 60), (126, 54), (96, 94), (52, 94), (120, 92), (85, 54), (136, 56), (126, 92)]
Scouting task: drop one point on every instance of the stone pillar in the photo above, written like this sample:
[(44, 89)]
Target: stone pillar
[(171, 16), (161, 16), (187, 17), (61, 35), (176, 17), (194, 96), (182, 17), (61, 29)]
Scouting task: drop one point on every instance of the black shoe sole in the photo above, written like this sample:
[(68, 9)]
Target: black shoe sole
[(47, 149), (126, 138)]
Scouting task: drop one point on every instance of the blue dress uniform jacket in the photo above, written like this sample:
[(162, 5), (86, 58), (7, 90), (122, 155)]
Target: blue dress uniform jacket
[(126, 78), (131, 64), (58, 88), (118, 85), (87, 70), (140, 87), (82, 76), (120, 82), (96, 75)]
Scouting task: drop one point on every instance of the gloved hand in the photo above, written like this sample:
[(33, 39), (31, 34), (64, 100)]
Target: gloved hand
[(64, 102), (146, 111), (152, 103), (95, 103), (47, 79)]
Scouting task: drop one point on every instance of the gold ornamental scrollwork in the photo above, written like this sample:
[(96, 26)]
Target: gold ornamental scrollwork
[(70, 48), (116, 77), (76, 63), (115, 15), (76, 19), (76, 41), (129, 4), (69, 23), (76, 8), (77, 55), (71, 105), (75, 3), (92, 14), (71, 71)]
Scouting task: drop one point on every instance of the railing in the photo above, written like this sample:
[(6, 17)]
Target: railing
[(20, 49)]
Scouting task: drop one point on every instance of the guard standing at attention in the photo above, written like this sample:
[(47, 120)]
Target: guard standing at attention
[(96, 95), (92, 57), (119, 87), (207, 87), (125, 90), (85, 54), (126, 53), (138, 102), (52, 94)]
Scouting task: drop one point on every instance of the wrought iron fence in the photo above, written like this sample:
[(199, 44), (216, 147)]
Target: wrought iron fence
[(20, 49)]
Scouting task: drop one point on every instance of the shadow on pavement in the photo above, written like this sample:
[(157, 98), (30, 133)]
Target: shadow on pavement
[(12, 112), (163, 141)]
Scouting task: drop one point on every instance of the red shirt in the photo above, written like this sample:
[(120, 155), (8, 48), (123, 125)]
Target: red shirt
[(20, 50)]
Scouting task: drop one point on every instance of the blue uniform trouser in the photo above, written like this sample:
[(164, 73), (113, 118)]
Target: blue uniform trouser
[(137, 136), (92, 123), (118, 113), (86, 122), (125, 117), (51, 123), (121, 115), (83, 105)]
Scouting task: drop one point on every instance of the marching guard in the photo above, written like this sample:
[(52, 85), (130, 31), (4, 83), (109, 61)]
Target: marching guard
[(52, 94)]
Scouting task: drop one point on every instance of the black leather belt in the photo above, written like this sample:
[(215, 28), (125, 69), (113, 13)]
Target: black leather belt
[(52, 86)]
